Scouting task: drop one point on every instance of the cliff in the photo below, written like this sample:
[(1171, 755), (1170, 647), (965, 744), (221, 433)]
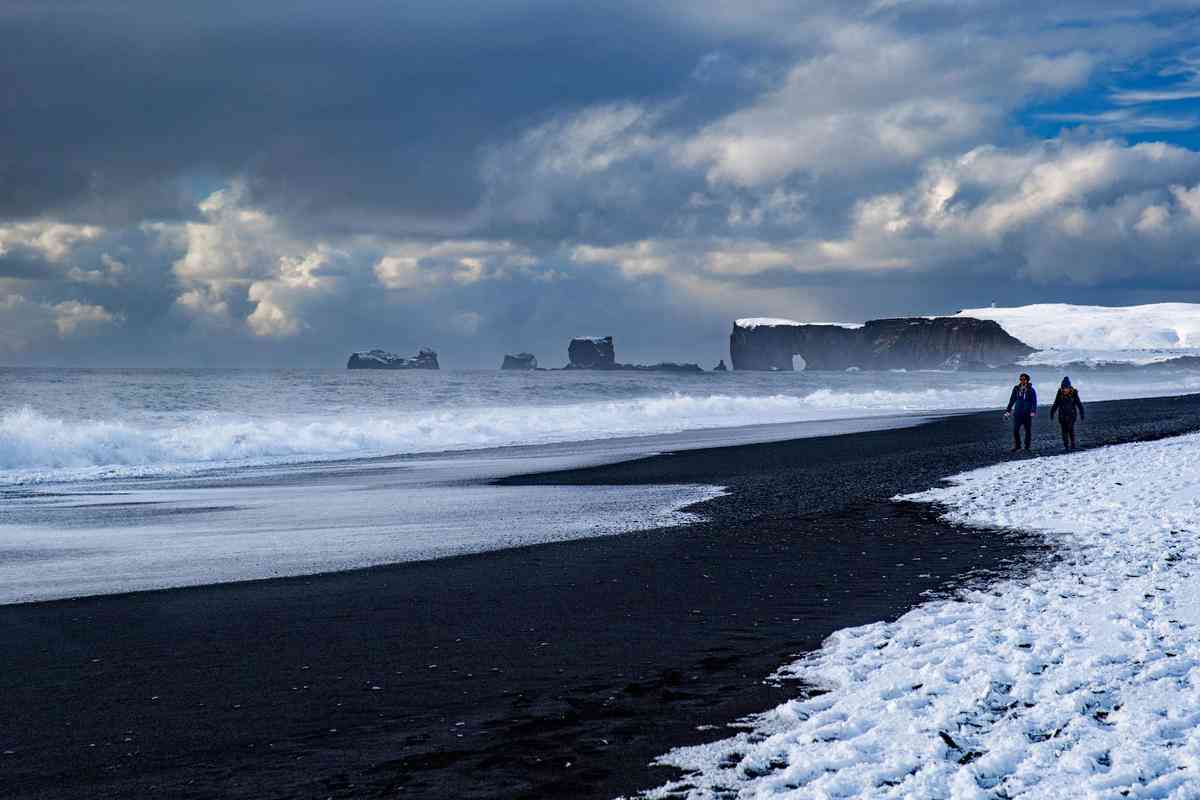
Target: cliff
[(905, 343), (520, 361), (381, 359)]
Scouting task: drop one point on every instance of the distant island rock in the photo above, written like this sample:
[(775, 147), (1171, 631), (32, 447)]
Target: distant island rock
[(597, 353), (720, 367), (591, 352), (519, 361), (904, 343), (382, 359)]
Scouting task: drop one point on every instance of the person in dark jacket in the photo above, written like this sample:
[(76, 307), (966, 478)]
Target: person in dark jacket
[(1022, 407), (1067, 403)]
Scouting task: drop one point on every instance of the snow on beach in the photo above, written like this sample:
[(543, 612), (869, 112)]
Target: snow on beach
[(1080, 680)]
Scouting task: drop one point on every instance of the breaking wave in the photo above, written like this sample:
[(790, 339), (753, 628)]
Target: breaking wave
[(35, 447)]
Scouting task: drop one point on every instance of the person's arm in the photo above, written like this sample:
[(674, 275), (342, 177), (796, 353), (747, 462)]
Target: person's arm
[(1033, 399), (1079, 404), (1012, 398), (1057, 400)]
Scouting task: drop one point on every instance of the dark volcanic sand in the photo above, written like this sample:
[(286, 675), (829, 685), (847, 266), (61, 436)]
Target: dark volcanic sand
[(554, 670)]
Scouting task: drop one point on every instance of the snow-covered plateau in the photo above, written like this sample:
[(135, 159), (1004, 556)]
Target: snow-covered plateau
[(775, 322), (1064, 333), (1081, 679)]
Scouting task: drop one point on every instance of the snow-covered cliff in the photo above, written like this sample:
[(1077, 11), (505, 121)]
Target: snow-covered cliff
[(906, 343)]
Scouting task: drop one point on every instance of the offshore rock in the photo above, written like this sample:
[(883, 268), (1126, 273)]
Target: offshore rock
[(904, 343), (382, 359), (519, 361), (720, 367), (591, 352), (596, 352)]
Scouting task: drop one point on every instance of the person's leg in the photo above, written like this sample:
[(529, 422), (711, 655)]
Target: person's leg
[(1066, 427), (1071, 433), (1028, 423), (1016, 425)]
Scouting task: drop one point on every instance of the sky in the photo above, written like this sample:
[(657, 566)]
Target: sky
[(280, 183)]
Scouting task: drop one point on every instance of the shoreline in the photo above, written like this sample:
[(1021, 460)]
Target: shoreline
[(569, 665)]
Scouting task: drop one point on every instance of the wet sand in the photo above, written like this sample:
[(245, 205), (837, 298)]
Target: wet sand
[(551, 670)]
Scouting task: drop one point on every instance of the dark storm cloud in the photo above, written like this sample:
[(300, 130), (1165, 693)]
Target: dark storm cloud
[(359, 114), (278, 182)]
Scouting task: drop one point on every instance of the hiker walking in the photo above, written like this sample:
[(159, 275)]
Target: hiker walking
[(1067, 403), (1022, 407)]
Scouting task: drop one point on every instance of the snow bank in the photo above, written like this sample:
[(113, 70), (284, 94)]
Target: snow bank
[(1082, 680), (1060, 326)]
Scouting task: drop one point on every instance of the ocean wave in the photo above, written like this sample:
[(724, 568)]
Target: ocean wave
[(35, 447), (1118, 359)]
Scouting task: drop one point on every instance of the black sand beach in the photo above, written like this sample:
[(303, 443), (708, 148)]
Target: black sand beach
[(557, 670)]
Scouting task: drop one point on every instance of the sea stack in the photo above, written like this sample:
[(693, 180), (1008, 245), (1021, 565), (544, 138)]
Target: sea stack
[(904, 343), (426, 358), (519, 361), (596, 352), (591, 352)]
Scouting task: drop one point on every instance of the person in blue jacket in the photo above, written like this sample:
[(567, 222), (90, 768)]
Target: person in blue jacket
[(1067, 403), (1022, 407)]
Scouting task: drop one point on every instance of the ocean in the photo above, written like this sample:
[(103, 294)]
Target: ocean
[(125, 479)]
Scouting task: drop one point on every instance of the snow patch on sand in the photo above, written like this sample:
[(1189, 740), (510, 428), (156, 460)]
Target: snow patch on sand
[(1080, 680)]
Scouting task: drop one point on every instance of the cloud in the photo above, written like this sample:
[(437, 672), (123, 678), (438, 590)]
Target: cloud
[(26, 324), (1127, 121), (366, 174), (635, 259), (110, 272), (1080, 213), (50, 239), (415, 265), (1090, 213), (70, 316), (870, 100), (279, 301), (240, 259)]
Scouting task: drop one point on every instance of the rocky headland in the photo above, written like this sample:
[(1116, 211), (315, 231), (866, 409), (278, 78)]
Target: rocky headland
[(904, 343)]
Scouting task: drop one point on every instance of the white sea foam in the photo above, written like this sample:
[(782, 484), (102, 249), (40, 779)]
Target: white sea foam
[(1079, 680), (157, 537), (36, 447), (1099, 358)]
